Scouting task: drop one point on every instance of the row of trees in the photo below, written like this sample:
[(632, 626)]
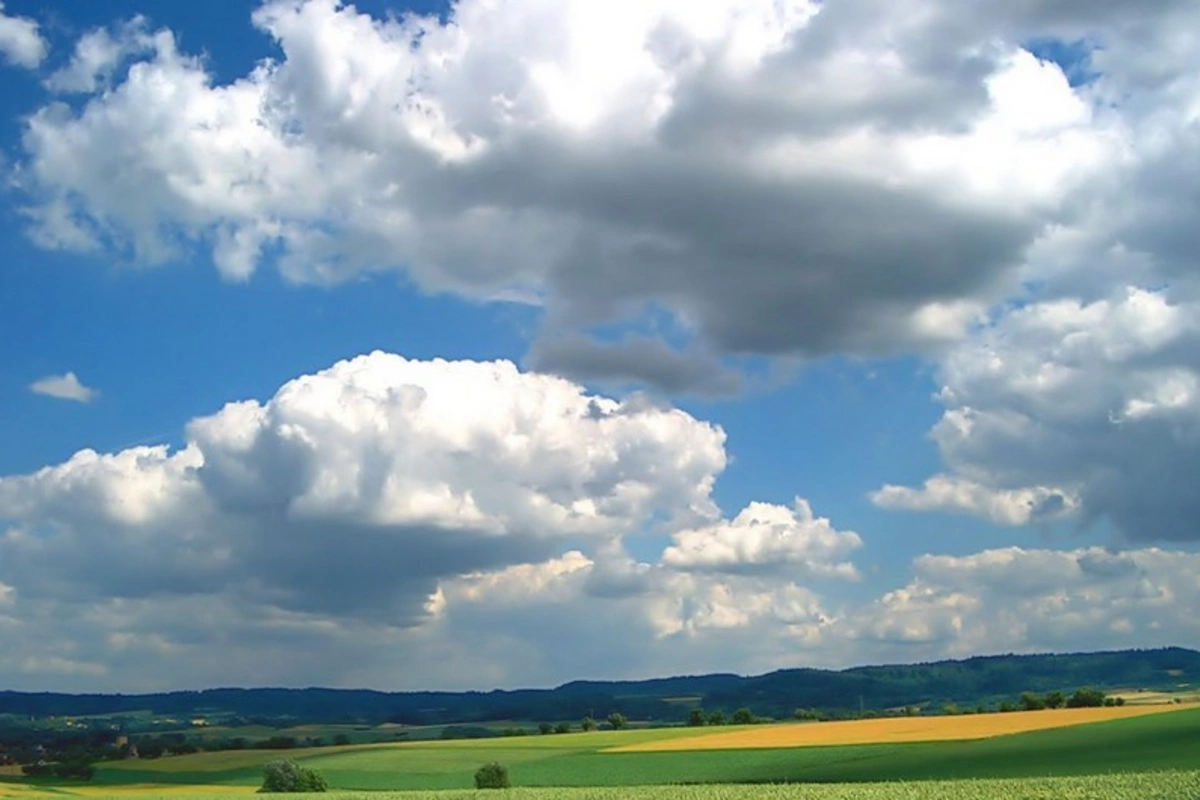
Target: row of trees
[(1029, 701), (743, 716)]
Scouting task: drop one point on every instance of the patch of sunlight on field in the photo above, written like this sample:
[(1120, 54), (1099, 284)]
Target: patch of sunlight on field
[(894, 730)]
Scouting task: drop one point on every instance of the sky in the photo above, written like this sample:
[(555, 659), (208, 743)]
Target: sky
[(511, 342)]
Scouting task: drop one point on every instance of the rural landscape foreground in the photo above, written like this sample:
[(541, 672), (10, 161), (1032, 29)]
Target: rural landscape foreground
[(1123, 741)]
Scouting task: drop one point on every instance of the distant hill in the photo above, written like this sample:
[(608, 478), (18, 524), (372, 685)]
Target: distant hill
[(776, 694)]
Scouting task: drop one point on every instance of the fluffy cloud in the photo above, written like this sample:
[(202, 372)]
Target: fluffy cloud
[(386, 515), (99, 53), (1020, 600), (395, 508), (21, 43), (1002, 506), (64, 387), (1064, 406), (781, 178), (766, 537), (356, 489)]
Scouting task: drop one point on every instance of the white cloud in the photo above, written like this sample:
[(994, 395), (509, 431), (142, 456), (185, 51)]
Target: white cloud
[(764, 536), (389, 518), (398, 507), (386, 473), (98, 54), (1065, 406), (781, 178), (1002, 506), (20, 41), (64, 387), (788, 179)]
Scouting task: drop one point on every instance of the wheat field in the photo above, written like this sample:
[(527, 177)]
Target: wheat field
[(895, 729)]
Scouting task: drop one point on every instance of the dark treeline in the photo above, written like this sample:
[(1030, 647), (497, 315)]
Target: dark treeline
[(776, 694)]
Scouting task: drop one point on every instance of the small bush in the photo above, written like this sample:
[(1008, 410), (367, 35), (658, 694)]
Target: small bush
[(492, 776), (83, 770), (288, 776)]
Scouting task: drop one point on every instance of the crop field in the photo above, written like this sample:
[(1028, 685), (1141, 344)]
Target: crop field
[(1079, 753), (1183, 694), (1178, 785), (898, 729)]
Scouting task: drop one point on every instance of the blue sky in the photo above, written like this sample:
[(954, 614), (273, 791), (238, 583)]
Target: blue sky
[(941, 304)]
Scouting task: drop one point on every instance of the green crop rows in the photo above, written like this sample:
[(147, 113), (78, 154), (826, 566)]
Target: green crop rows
[(1144, 744), (1180, 785)]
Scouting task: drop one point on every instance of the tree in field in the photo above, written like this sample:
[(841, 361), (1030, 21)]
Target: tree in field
[(562, 727), (588, 724), (1086, 698), (1055, 699), (716, 718), (743, 716), (1032, 702), (697, 717), (288, 776), (545, 728), (492, 776), (617, 720)]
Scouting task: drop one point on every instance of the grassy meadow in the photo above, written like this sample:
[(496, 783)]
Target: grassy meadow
[(1179, 785), (1122, 757)]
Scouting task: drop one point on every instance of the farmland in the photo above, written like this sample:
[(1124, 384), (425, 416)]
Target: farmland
[(1179, 785), (1154, 742), (898, 729)]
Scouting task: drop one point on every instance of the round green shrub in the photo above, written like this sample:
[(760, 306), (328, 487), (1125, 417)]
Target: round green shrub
[(492, 776), (288, 776)]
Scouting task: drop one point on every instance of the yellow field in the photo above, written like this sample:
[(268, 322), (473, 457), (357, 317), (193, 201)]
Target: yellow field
[(894, 729)]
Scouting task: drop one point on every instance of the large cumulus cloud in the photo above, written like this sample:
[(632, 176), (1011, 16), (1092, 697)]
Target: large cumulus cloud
[(1078, 394), (372, 504), (781, 178), (1064, 406), (417, 524), (357, 488)]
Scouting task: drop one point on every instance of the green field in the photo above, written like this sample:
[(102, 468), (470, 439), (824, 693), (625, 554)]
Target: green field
[(1143, 744), (1180, 785)]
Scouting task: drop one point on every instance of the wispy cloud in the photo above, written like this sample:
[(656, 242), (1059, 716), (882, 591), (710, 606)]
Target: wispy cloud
[(64, 387)]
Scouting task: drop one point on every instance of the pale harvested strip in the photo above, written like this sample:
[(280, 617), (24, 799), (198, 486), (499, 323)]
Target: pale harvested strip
[(895, 729)]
